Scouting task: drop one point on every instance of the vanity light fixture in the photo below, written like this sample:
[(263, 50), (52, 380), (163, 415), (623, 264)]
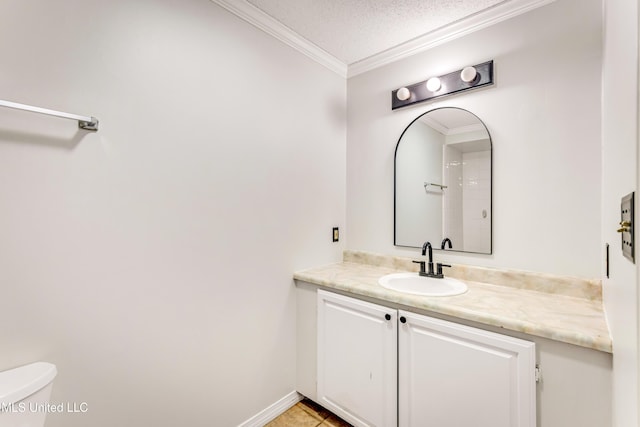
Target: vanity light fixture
[(468, 74), (468, 78), (434, 84), (403, 94)]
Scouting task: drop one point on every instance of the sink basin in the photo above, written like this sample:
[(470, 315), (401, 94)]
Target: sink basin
[(412, 283)]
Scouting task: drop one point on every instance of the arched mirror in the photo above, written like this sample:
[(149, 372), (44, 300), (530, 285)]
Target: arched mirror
[(443, 182)]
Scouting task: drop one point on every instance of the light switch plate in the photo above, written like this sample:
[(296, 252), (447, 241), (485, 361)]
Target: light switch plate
[(626, 223)]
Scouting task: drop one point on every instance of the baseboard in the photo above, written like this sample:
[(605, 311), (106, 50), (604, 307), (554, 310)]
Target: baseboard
[(271, 412)]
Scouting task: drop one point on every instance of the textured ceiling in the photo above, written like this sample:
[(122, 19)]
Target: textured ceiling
[(352, 30)]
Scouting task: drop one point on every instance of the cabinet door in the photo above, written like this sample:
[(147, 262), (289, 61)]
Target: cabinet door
[(357, 360), (452, 375)]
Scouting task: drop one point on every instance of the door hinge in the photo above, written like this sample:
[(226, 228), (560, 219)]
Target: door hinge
[(538, 374)]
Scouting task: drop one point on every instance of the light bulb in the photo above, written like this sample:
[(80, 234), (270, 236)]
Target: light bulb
[(403, 94), (468, 74), (433, 84)]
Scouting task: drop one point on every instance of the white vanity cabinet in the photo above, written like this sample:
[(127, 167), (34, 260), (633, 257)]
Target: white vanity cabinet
[(357, 360), (378, 366), (452, 375)]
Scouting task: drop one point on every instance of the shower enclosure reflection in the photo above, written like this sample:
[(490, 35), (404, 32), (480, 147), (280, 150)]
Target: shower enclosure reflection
[(443, 182)]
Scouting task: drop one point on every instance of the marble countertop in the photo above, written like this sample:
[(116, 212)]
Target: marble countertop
[(559, 308)]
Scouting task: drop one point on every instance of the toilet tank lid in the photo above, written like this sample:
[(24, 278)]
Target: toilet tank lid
[(19, 383)]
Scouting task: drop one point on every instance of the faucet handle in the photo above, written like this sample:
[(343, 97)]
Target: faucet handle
[(439, 269), (423, 271)]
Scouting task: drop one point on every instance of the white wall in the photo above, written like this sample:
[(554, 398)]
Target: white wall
[(152, 261), (620, 177), (543, 115), (419, 163)]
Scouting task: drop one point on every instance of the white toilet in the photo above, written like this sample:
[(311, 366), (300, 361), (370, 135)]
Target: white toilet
[(24, 394)]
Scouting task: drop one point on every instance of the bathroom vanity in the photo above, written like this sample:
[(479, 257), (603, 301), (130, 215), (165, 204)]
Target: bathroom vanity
[(378, 357), (381, 366)]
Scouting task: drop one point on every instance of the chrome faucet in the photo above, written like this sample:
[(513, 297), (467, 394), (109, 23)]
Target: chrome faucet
[(429, 272)]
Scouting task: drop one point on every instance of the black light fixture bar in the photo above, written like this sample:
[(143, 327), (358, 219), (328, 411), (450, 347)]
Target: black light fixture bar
[(449, 84)]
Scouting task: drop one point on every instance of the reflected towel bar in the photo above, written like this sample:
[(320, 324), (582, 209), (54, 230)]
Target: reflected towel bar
[(84, 122), (442, 187)]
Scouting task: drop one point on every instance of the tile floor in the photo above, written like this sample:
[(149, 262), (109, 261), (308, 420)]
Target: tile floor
[(307, 414)]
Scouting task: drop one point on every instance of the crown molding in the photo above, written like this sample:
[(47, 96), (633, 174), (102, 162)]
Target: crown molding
[(466, 129), (440, 128), (486, 18), (437, 126), (271, 26), (501, 12)]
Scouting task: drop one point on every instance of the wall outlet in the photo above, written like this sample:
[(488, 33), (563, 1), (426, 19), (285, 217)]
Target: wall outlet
[(336, 234)]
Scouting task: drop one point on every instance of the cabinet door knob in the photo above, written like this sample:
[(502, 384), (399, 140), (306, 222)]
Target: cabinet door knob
[(387, 316), (403, 319)]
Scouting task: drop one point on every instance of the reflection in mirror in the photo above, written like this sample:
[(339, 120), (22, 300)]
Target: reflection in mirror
[(443, 182)]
